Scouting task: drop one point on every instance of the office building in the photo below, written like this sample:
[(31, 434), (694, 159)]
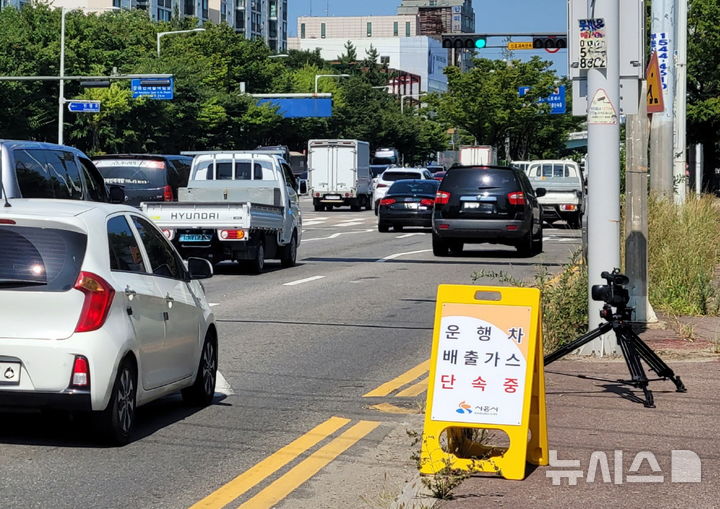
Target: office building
[(356, 27), (420, 60), (436, 17)]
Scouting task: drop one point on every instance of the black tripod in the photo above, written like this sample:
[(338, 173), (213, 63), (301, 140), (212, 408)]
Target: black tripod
[(633, 348)]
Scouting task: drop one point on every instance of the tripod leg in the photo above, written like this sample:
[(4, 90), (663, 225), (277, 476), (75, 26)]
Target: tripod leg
[(632, 359), (654, 361), (586, 338)]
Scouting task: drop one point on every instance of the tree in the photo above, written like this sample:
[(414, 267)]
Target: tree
[(485, 102), (703, 83)]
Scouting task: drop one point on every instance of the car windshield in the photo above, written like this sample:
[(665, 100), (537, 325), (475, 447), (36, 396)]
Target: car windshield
[(392, 176), (133, 173), (40, 259), (428, 187)]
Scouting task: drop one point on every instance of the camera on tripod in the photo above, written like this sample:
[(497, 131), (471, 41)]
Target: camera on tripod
[(613, 293)]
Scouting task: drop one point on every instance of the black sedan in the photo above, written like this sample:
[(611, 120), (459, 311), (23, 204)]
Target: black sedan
[(407, 203)]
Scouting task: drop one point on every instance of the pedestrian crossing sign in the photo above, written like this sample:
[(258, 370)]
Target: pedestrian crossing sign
[(486, 373), (655, 101)]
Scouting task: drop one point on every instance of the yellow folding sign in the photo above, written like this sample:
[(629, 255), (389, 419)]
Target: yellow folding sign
[(486, 372)]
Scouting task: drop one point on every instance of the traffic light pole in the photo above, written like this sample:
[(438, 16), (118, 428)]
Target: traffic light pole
[(603, 198)]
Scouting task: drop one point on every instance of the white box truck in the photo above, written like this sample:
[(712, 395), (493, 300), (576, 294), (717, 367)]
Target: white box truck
[(339, 174), (478, 155)]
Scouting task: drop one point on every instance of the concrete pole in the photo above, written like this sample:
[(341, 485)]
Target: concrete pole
[(637, 132), (61, 94), (604, 175), (661, 131), (679, 145), (698, 168)]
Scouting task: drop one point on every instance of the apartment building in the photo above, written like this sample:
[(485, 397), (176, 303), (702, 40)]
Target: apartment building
[(264, 19)]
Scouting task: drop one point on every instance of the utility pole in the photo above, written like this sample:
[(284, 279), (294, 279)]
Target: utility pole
[(603, 119), (661, 130), (61, 93), (679, 145), (637, 131)]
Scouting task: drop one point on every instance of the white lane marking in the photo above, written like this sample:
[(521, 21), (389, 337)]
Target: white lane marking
[(313, 223), (409, 235), (301, 281), (569, 240), (213, 304), (398, 255), (349, 223), (545, 239), (222, 386), (336, 235)]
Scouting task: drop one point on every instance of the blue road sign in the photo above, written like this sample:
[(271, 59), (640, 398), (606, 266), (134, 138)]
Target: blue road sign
[(160, 93), (293, 107), (556, 100), (84, 106)]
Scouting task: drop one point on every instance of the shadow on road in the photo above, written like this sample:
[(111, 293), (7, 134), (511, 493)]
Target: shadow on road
[(63, 429)]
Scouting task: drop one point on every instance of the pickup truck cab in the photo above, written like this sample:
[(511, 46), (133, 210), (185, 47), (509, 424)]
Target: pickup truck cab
[(240, 206), (565, 190)]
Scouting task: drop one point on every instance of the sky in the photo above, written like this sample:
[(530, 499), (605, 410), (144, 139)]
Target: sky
[(491, 16)]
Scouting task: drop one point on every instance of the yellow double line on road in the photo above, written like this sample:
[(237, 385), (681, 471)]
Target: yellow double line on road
[(296, 476), (396, 383)]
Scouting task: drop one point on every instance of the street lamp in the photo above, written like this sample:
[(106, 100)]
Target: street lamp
[(404, 96), (61, 99), (161, 34), (318, 76)]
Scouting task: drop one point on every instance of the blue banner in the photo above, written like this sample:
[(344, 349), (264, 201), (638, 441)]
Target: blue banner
[(556, 100)]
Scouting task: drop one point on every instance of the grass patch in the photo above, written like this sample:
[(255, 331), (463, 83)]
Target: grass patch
[(684, 253)]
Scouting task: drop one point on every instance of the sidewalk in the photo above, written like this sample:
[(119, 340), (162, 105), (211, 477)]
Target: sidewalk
[(598, 417)]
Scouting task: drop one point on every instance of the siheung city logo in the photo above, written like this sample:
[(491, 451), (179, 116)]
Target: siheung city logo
[(685, 467)]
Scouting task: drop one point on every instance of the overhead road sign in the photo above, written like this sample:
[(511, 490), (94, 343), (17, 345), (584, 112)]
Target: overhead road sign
[(520, 45), (300, 107), (556, 100), (84, 106), (160, 89), (655, 100)]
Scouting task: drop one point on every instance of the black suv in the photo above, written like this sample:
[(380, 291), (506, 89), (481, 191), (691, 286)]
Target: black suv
[(145, 177), (493, 204)]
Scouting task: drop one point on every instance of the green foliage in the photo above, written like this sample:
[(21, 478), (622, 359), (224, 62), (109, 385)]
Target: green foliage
[(684, 252), (208, 110), (484, 102)]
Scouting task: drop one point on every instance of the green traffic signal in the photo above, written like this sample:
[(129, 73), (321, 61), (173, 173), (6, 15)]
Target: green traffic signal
[(480, 43)]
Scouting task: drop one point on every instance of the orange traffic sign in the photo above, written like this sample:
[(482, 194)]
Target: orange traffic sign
[(655, 102), (520, 45)]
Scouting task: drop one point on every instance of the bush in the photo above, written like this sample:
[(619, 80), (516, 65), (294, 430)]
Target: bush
[(564, 299), (684, 252)]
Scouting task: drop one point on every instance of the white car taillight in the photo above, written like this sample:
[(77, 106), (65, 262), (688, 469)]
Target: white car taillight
[(81, 373), (98, 298)]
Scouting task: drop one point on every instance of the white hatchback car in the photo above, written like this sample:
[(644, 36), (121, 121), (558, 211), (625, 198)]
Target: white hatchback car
[(99, 313), (386, 179)]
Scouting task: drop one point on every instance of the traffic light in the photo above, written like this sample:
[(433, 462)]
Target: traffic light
[(550, 42), (464, 41)]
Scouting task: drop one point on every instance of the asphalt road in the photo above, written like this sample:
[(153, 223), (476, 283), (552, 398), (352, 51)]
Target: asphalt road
[(298, 346)]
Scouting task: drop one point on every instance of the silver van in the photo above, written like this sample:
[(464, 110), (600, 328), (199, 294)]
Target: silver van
[(32, 169)]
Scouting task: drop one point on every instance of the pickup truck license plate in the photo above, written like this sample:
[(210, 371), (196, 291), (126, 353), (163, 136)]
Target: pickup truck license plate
[(195, 237), (9, 373), (333, 197)]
